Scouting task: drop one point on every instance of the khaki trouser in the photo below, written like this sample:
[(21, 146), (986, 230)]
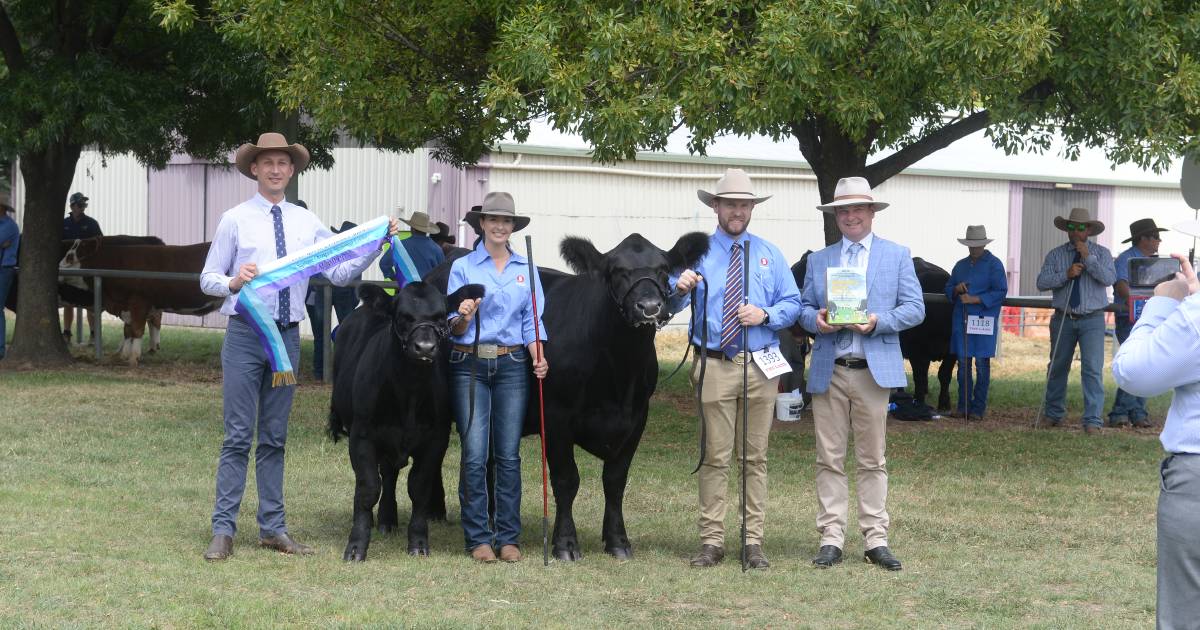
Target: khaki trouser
[(854, 401), (722, 402)]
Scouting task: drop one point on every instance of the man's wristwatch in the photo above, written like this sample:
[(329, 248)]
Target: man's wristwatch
[(766, 318)]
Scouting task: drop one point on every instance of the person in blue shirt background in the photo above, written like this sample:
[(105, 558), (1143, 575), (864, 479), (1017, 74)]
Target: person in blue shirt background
[(78, 225), (506, 350), (425, 253), (1143, 233), (773, 304), (10, 241), (979, 285)]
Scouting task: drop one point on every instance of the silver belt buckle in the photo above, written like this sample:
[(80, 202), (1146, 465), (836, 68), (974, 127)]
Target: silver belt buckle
[(488, 351)]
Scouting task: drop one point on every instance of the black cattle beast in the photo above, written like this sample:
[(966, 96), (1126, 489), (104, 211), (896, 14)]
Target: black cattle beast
[(391, 397), (603, 369)]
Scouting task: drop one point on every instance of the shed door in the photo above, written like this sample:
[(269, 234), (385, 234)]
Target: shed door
[(1038, 234)]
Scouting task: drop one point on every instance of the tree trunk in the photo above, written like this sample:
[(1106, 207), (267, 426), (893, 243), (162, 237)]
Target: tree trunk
[(832, 155), (37, 338)]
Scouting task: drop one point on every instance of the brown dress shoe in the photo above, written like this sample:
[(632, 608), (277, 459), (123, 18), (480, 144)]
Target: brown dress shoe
[(709, 556), (285, 544), (510, 553), (755, 558), (484, 553), (220, 548)]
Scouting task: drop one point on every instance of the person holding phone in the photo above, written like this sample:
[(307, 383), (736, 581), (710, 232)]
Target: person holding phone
[(1128, 409)]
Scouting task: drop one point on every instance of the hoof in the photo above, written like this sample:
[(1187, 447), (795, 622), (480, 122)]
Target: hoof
[(419, 550), (354, 554), (568, 555), (387, 528), (620, 553)]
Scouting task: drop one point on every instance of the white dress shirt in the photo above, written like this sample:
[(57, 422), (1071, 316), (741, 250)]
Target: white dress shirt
[(1163, 353), (246, 234), (856, 345)]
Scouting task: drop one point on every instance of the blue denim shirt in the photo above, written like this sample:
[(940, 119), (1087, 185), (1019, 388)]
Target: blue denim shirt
[(11, 234), (772, 288), (424, 252), (505, 312)]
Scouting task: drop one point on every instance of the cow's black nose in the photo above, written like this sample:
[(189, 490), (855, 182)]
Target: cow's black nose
[(424, 346), (650, 307)]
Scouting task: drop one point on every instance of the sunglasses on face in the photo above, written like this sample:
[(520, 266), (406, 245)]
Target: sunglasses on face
[(1077, 227)]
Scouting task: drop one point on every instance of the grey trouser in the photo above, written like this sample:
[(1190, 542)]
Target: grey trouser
[(1179, 542)]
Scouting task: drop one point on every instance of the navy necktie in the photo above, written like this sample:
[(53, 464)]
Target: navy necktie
[(284, 316), (1075, 298)]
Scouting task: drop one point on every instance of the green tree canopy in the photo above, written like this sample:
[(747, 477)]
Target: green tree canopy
[(845, 79), (105, 74)]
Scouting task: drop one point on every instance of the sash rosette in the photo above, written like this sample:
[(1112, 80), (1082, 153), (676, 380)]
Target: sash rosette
[(291, 269)]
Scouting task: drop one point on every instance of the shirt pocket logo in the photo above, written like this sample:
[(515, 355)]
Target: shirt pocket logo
[(521, 279)]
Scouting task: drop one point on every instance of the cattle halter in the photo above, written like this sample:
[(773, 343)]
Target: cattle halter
[(440, 329), (663, 292)]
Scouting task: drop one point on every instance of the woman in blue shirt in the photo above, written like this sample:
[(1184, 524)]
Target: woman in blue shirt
[(978, 284), (501, 372)]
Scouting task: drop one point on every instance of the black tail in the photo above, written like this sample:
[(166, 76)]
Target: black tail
[(335, 429)]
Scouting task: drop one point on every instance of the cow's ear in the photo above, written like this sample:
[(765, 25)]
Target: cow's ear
[(581, 255), (374, 297), (465, 292), (688, 250)]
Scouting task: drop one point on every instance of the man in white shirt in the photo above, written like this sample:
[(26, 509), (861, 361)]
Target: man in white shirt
[(254, 233)]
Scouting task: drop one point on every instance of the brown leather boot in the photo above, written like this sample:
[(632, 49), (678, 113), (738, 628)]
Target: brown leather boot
[(285, 544), (510, 553), (709, 556), (220, 548), (484, 553)]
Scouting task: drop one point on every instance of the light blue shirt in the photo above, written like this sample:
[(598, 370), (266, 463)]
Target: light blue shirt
[(1163, 353), (1122, 262), (11, 234), (246, 234), (772, 288), (1099, 273), (505, 312)]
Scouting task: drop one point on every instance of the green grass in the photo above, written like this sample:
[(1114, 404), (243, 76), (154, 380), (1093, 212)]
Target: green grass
[(106, 485)]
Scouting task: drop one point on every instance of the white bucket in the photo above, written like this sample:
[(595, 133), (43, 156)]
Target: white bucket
[(788, 407)]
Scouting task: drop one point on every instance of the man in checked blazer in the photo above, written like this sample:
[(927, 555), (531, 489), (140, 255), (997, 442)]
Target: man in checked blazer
[(853, 370)]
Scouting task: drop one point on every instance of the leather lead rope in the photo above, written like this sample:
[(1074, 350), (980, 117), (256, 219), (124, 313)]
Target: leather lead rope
[(703, 354)]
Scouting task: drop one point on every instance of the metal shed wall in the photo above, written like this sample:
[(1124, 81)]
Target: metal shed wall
[(115, 186)]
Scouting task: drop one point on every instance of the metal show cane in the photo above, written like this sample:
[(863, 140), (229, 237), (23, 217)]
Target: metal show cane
[(1054, 348), (745, 388), (537, 336), (964, 363)]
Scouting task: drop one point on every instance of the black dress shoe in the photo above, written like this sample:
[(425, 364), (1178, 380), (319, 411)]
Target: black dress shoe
[(220, 548), (709, 556), (755, 558), (827, 556), (883, 557), (285, 544)]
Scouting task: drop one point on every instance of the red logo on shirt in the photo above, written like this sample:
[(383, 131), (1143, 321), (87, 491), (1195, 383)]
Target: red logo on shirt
[(762, 262), (520, 279)]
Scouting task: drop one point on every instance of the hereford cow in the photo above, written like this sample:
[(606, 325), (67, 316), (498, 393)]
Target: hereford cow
[(136, 300), (922, 344), (391, 397)]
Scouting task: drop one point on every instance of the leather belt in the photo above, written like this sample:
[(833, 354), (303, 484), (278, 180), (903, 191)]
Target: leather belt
[(488, 350), (851, 362), (280, 325), (1059, 311), (718, 355)]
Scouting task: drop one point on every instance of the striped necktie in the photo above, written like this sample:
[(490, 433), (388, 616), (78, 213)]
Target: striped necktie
[(730, 327), (284, 314)]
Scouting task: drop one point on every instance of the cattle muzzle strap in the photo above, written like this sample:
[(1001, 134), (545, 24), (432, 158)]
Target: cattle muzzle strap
[(663, 292)]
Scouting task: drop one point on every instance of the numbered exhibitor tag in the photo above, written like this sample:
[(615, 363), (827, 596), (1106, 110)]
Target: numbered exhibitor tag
[(771, 362), (981, 325)]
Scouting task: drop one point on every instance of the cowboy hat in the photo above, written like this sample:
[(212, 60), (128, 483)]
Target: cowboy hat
[(443, 235), (497, 204), (734, 184), (976, 236), (420, 222), (346, 225), (78, 198), (1142, 226), (852, 191), (1079, 215), (270, 141)]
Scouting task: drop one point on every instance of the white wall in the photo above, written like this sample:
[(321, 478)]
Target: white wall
[(116, 191), (1164, 205)]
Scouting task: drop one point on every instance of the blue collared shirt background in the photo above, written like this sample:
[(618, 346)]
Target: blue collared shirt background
[(425, 255), (1163, 353), (505, 312), (1099, 273), (246, 234), (772, 288), (11, 234)]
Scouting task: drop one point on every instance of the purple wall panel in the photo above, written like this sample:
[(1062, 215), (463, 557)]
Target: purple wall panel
[(176, 204), (227, 187), (458, 190)]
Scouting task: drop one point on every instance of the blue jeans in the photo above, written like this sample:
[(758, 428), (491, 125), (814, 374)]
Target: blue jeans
[(979, 385), (1088, 332), (6, 278), (501, 387), (1126, 404), (345, 300), (250, 401)]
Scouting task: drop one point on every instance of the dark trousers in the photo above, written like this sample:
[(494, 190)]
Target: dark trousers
[(345, 300)]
